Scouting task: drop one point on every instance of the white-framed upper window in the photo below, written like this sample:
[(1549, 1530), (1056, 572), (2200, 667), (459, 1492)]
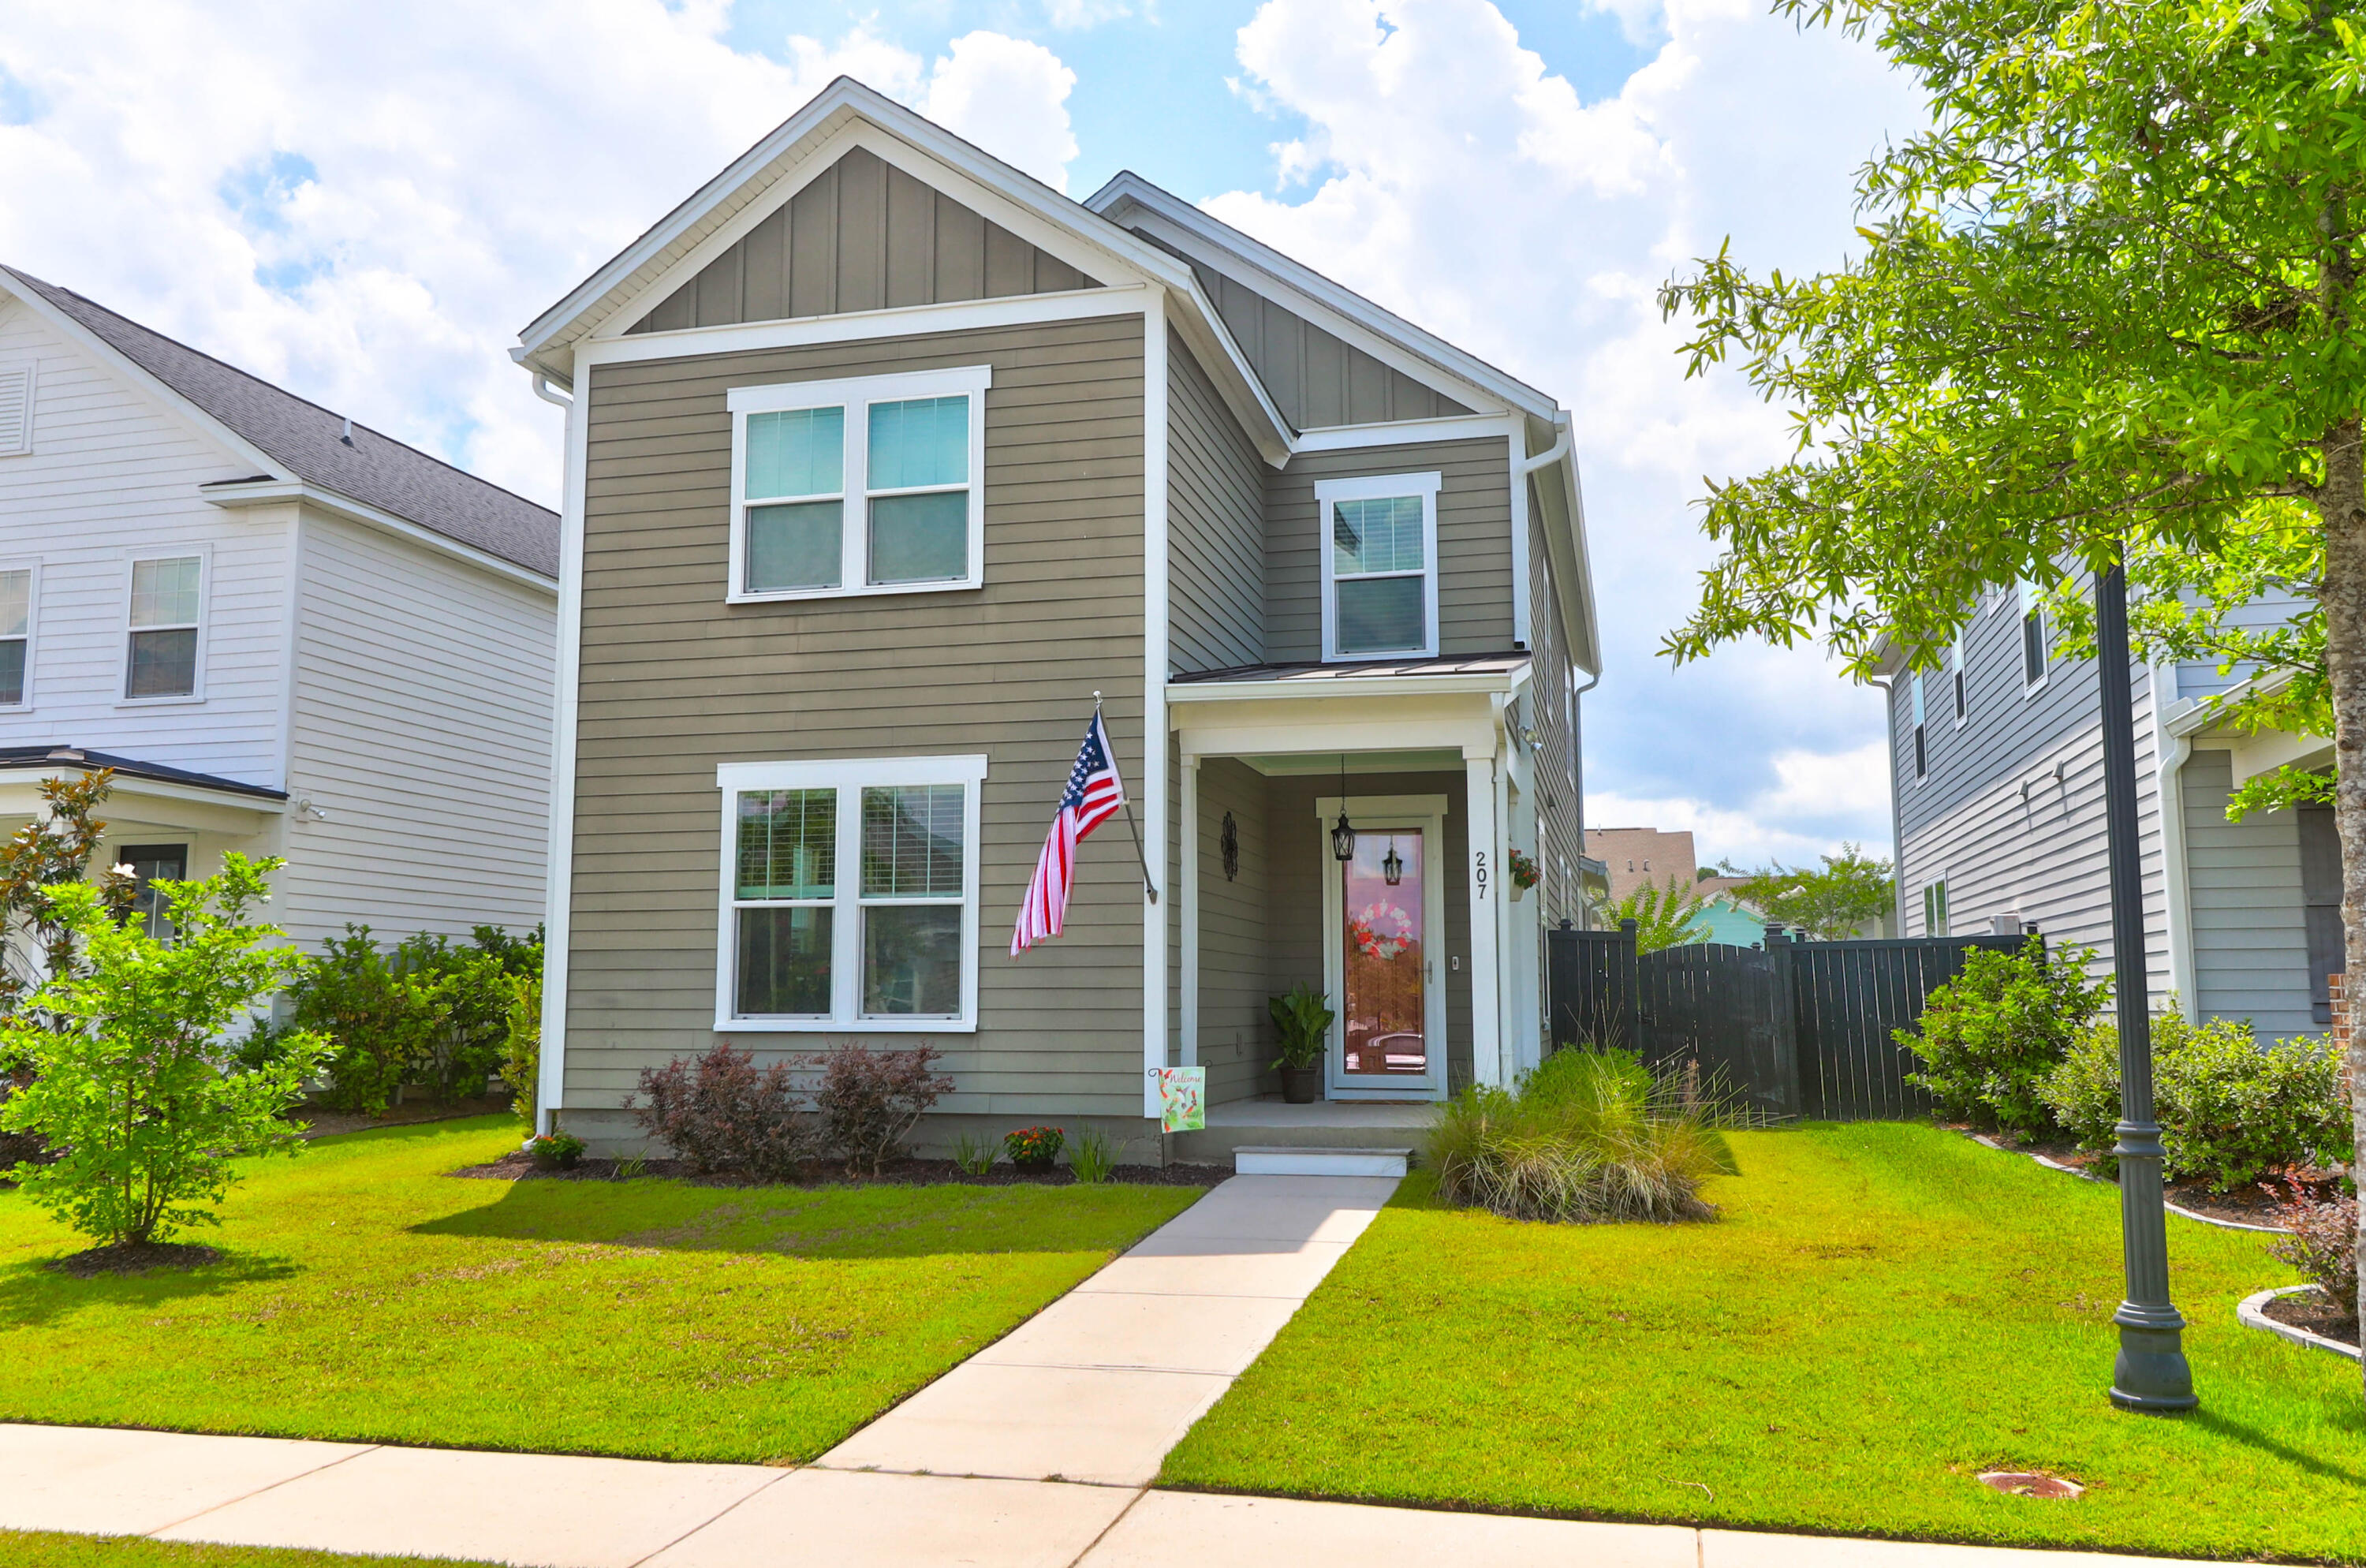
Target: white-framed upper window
[(1934, 906), (2035, 645), (1379, 565), (850, 895), (164, 642), (19, 603), (867, 486)]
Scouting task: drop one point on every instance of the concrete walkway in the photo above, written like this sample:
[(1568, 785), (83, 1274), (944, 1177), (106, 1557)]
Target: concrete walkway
[(1035, 1454)]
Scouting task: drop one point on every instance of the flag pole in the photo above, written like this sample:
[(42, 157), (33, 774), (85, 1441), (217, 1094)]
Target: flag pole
[(1131, 825)]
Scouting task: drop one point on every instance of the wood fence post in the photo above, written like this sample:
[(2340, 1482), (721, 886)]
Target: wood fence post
[(1782, 951), (1631, 988)]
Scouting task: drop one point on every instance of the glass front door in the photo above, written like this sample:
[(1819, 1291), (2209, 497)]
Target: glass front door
[(1384, 1031)]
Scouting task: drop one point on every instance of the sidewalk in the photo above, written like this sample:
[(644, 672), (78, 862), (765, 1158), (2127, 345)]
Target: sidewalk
[(1035, 1454)]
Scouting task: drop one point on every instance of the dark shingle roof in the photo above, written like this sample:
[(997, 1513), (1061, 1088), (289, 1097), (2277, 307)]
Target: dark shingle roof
[(305, 438)]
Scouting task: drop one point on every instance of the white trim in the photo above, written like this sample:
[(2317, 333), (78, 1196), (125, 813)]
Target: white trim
[(30, 368), (855, 395), (1424, 814), (861, 326), (1479, 876), (31, 567), (239, 494), (1379, 486), (1516, 447), (2171, 752), (849, 777), (2031, 600), (1408, 432), (550, 1089), (1321, 686), (1155, 610), (133, 557), (290, 637), (160, 789)]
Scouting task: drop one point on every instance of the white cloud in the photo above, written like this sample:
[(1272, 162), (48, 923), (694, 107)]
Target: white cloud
[(365, 203), (1071, 13), (1448, 173)]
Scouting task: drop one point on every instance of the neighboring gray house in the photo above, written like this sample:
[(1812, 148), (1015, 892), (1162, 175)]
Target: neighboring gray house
[(882, 460), (287, 633), (1997, 765)]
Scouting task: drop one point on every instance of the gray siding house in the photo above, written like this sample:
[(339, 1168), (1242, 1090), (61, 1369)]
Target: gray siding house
[(1996, 762), (883, 459)]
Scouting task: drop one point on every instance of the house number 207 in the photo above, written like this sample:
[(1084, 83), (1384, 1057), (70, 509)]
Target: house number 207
[(1478, 872)]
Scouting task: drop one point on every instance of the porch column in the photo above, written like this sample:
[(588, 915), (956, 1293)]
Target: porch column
[(1482, 877), (1189, 911)]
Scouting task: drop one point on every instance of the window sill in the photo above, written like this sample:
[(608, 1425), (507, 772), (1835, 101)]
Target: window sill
[(125, 703), (845, 1026), (807, 595)]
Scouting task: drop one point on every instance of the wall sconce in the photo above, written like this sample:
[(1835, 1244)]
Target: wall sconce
[(1229, 843)]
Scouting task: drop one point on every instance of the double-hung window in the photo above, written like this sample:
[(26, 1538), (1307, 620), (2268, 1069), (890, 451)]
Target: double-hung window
[(850, 898), (868, 486), (1934, 906), (1955, 669), (2034, 645), (1379, 565), (16, 637), (160, 657), (1922, 747)]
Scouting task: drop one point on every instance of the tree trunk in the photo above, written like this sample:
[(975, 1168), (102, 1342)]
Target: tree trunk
[(2341, 503)]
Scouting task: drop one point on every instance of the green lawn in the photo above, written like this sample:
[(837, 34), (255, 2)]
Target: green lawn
[(1884, 1311), (20, 1549), (367, 1295)]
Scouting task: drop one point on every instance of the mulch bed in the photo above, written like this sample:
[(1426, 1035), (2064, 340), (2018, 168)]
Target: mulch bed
[(319, 1122), (2254, 1204), (2316, 1312), (520, 1165), (135, 1258)]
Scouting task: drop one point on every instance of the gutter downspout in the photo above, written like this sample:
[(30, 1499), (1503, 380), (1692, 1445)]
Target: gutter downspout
[(1554, 453), (1523, 524), (1896, 821), (542, 390), (2169, 752)]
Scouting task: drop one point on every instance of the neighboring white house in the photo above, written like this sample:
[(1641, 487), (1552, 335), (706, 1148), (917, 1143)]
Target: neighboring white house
[(286, 633)]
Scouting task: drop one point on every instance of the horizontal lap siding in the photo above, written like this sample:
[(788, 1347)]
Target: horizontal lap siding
[(1474, 543), (1554, 759), (674, 681), (1236, 1038), (1216, 523), (2250, 929)]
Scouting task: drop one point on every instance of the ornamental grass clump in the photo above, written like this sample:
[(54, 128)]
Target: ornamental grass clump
[(1590, 1135)]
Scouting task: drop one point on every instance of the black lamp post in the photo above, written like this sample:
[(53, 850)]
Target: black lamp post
[(2151, 1373)]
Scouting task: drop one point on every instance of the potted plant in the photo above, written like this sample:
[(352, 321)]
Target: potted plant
[(555, 1151), (1524, 876), (1303, 1019), (1032, 1149)]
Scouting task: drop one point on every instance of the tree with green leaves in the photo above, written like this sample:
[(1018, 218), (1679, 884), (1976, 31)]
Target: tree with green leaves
[(2108, 302), (137, 1085), (1662, 913), (1828, 902)]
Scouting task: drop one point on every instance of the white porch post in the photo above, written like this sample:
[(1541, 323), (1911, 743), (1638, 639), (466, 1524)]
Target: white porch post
[(1484, 876), (1187, 872)]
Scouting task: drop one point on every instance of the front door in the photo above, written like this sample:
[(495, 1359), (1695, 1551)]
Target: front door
[(1386, 1044)]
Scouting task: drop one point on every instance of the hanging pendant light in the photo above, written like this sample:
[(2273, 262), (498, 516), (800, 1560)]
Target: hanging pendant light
[(1392, 863), (1343, 834)]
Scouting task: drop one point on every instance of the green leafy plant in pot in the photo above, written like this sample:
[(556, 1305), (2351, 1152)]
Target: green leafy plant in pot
[(1303, 1019)]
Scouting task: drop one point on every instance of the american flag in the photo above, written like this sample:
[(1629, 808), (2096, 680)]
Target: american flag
[(1094, 795)]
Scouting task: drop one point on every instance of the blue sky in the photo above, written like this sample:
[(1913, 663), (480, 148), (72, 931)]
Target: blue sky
[(365, 203)]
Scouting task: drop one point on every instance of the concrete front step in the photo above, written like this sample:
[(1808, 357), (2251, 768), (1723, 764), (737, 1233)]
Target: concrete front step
[(1333, 1124), (1252, 1160)]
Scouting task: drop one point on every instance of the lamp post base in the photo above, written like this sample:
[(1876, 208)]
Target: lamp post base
[(2151, 1374)]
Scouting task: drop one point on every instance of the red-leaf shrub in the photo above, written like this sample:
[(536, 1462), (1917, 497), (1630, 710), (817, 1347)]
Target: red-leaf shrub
[(2323, 1241), (721, 1113), (870, 1101)]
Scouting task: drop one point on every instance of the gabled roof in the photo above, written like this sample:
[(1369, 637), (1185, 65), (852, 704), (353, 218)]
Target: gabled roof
[(310, 443)]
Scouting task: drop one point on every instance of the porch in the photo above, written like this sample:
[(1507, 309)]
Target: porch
[(1405, 920)]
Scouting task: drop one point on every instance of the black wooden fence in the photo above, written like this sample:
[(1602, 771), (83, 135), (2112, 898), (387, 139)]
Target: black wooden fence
[(1798, 1028)]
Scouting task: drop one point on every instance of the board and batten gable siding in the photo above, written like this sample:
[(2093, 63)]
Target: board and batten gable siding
[(674, 681), (1215, 520), (1474, 542), (2243, 886), (2039, 854), (113, 474), (422, 730), (862, 235)]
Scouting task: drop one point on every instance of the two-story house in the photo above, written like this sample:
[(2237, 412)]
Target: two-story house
[(1995, 761), (286, 633), (883, 460)]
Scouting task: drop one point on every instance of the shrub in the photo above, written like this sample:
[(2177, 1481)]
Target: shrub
[(1589, 1135), (1034, 1145), (136, 1088), (2323, 1241), (1090, 1159), (870, 1102), (353, 995), (2230, 1109), (721, 1113), (429, 1010), (522, 1045), (1990, 1036)]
